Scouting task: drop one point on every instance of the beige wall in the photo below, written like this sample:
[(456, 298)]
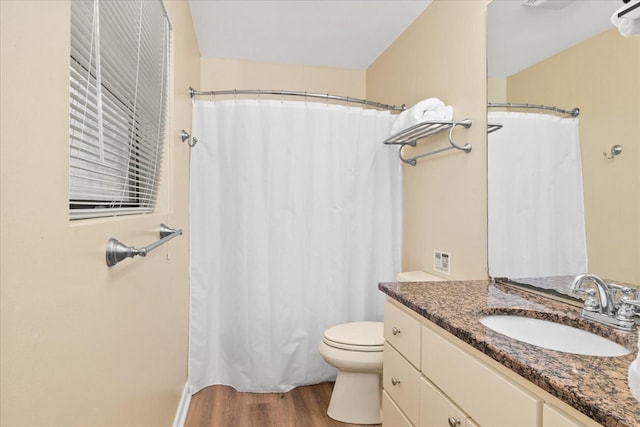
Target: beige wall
[(83, 344), (600, 76), (223, 74), (442, 54), (497, 89)]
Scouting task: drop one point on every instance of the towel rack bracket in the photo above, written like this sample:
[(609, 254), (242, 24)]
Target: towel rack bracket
[(166, 231)]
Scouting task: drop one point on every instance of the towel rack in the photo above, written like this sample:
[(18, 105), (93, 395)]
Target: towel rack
[(630, 12), (117, 251), (422, 130), (492, 127)]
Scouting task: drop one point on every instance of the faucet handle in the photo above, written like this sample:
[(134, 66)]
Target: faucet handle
[(625, 291), (631, 302), (629, 293), (591, 302), (628, 307)]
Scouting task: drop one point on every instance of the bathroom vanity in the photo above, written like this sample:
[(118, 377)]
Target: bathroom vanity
[(442, 367)]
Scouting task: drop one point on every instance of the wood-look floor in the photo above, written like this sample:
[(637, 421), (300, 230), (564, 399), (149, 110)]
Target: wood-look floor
[(222, 406)]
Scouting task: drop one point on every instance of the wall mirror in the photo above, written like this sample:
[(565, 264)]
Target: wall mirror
[(568, 54)]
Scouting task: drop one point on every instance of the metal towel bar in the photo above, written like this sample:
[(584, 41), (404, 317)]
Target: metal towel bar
[(117, 251)]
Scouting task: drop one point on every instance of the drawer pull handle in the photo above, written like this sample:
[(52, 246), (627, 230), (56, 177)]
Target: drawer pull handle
[(453, 422), (395, 381), (395, 331)]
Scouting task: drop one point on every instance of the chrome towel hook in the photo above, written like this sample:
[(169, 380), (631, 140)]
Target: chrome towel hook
[(615, 151), (184, 135)]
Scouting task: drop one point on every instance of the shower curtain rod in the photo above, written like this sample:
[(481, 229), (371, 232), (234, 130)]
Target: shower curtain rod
[(573, 113), (193, 92)]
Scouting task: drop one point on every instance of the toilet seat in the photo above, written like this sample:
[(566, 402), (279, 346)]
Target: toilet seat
[(356, 336)]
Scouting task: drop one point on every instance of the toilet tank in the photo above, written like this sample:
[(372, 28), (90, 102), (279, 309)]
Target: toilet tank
[(418, 276)]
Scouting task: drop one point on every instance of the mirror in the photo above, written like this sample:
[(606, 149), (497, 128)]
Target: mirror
[(568, 54)]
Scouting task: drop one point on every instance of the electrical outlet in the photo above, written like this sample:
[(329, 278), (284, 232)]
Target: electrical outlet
[(441, 261)]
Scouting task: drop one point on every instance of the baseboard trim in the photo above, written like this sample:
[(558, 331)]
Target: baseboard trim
[(183, 407)]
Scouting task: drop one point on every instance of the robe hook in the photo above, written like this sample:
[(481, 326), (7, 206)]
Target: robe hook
[(184, 136), (615, 151)]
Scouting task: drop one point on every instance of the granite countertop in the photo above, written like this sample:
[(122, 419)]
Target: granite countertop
[(595, 386)]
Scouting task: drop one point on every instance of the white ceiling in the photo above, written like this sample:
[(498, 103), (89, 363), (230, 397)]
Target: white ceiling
[(353, 33), (342, 34), (519, 36)]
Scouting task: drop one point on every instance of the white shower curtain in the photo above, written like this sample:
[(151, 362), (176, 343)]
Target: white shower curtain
[(536, 209), (295, 218)]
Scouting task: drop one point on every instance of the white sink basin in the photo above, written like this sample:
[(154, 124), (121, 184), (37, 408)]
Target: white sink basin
[(553, 336)]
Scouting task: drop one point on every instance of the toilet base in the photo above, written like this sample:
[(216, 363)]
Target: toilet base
[(356, 398)]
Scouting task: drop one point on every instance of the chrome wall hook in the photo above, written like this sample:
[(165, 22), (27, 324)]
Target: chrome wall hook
[(184, 135), (615, 151)]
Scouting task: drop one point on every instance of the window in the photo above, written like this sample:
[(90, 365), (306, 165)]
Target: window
[(118, 105)]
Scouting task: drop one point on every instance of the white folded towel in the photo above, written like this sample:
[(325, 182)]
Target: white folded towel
[(428, 109), (626, 26)]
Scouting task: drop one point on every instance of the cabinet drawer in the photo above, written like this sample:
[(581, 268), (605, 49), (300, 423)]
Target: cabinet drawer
[(403, 332), (401, 381), (436, 410), (483, 393), (392, 416)]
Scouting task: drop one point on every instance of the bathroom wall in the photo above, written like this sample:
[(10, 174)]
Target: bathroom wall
[(443, 54), (223, 74), (83, 344), (600, 76), (497, 89)]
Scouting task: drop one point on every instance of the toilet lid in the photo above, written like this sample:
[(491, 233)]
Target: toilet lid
[(356, 336)]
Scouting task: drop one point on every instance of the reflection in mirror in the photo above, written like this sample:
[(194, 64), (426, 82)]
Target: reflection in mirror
[(595, 69)]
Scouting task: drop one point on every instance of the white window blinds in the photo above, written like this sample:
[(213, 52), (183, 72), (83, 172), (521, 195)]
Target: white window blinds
[(118, 105)]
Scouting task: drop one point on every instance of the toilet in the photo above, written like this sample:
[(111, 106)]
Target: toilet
[(356, 351)]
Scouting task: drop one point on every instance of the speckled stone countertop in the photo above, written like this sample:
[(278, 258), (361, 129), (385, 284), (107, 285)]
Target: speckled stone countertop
[(596, 386)]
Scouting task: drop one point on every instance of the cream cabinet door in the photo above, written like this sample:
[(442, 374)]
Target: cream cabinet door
[(488, 397), (392, 416), (554, 417), (436, 410)]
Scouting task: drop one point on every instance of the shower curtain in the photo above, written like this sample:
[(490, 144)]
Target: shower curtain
[(295, 218), (536, 210)]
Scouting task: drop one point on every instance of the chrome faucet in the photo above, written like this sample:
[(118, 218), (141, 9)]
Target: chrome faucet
[(605, 309), (604, 292)]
